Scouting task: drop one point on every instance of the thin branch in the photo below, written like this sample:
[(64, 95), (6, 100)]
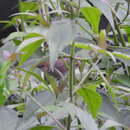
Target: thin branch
[(102, 76), (44, 109), (84, 78), (90, 33), (71, 81)]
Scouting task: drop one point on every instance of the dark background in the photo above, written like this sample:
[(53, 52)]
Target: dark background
[(7, 8)]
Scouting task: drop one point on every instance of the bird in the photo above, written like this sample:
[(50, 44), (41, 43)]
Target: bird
[(59, 71)]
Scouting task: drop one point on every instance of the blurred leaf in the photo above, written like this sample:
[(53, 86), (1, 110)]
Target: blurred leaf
[(20, 107), (15, 35), (91, 98), (28, 47), (92, 15), (45, 98), (28, 42), (42, 128), (110, 123), (125, 50), (3, 80), (121, 56), (59, 114), (122, 79), (31, 35), (53, 84), (82, 66), (17, 42), (37, 30), (104, 9), (83, 46), (111, 112), (27, 124), (86, 119), (26, 6), (95, 48), (60, 34), (2, 96), (127, 30), (8, 119), (37, 76)]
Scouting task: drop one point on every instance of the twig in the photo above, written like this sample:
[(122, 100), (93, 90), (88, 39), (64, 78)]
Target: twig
[(90, 33), (71, 80), (84, 78), (44, 109)]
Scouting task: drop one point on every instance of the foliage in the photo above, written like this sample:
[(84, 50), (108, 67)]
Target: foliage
[(62, 70)]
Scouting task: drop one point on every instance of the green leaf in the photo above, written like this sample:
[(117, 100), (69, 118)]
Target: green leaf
[(15, 35), (28, 47), (92, 99), (109, 124), (2, 96), (31, 35), (125, 50), (127, 30), (45, 98), (43, 128), (121, 55), (3, 80), (8, 119), (105, 9), (26, 6), (122, 79), (83, 46), (85, 118), (95, 48), (37, 76), (92, 15), (53, 84), (61, 33), (124, 57)]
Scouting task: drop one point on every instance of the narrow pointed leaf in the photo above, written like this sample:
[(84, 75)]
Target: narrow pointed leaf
[(60, 34)]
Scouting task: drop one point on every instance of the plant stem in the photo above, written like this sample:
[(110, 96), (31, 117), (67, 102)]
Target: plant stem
[(21, 18), (117, 26), (120, 35), (87, 74), (90, 33), (71, 80), (69, 122), (115, 38), (84, 78), (79, 123), (71, 72), (44, 11), (122, 40)]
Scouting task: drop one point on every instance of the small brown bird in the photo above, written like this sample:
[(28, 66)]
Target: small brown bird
[(59, 71)]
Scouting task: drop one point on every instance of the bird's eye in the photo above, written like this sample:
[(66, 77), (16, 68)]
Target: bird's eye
[(41, 66)]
